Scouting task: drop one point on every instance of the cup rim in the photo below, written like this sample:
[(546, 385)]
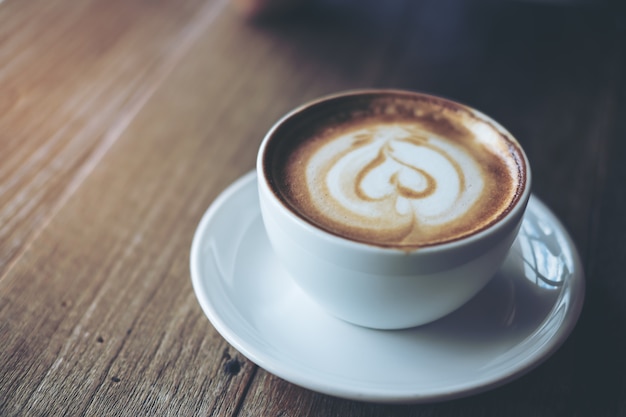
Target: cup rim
[(512, 213)]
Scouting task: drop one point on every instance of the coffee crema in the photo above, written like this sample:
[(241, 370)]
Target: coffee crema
[(399, 170)]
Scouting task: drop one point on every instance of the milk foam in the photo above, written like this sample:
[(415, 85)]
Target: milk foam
[(393, 178), (401, 171)]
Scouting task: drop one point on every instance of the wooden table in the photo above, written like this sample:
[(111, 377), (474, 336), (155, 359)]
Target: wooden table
[(122, 120)]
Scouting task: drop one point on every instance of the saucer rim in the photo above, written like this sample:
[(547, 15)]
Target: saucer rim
[(264, 360)]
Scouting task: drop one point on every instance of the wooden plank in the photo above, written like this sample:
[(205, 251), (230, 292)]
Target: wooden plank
[(98, 315), (72, 76)]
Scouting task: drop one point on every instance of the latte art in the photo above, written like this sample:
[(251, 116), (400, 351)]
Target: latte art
[(403, 174), (393, 179)]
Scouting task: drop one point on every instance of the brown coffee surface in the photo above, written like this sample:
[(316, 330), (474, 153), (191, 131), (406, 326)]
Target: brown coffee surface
[(395, 170)]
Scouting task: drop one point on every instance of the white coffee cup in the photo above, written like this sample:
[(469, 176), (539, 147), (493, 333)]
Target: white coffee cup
[(372, 285)]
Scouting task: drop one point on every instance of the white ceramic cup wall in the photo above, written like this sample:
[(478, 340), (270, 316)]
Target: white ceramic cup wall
[(378, 287)]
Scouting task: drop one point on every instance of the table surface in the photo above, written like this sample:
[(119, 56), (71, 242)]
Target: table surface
[(122, 120)]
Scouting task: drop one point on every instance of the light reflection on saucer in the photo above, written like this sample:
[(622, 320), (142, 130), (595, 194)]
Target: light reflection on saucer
[(545, 263)]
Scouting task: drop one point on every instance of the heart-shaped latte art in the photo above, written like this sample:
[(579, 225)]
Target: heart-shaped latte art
[(404, 179), (392, 180)]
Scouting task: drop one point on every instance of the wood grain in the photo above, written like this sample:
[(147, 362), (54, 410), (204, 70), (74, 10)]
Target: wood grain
[(73, 76), (122, 121), (115, 316)]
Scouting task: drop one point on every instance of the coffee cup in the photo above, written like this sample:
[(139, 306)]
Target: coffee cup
[(391, 209)]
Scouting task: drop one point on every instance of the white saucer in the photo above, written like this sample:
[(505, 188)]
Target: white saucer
[(521, 317)]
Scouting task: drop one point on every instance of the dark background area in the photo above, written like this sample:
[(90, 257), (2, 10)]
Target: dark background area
[(554, 74)]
